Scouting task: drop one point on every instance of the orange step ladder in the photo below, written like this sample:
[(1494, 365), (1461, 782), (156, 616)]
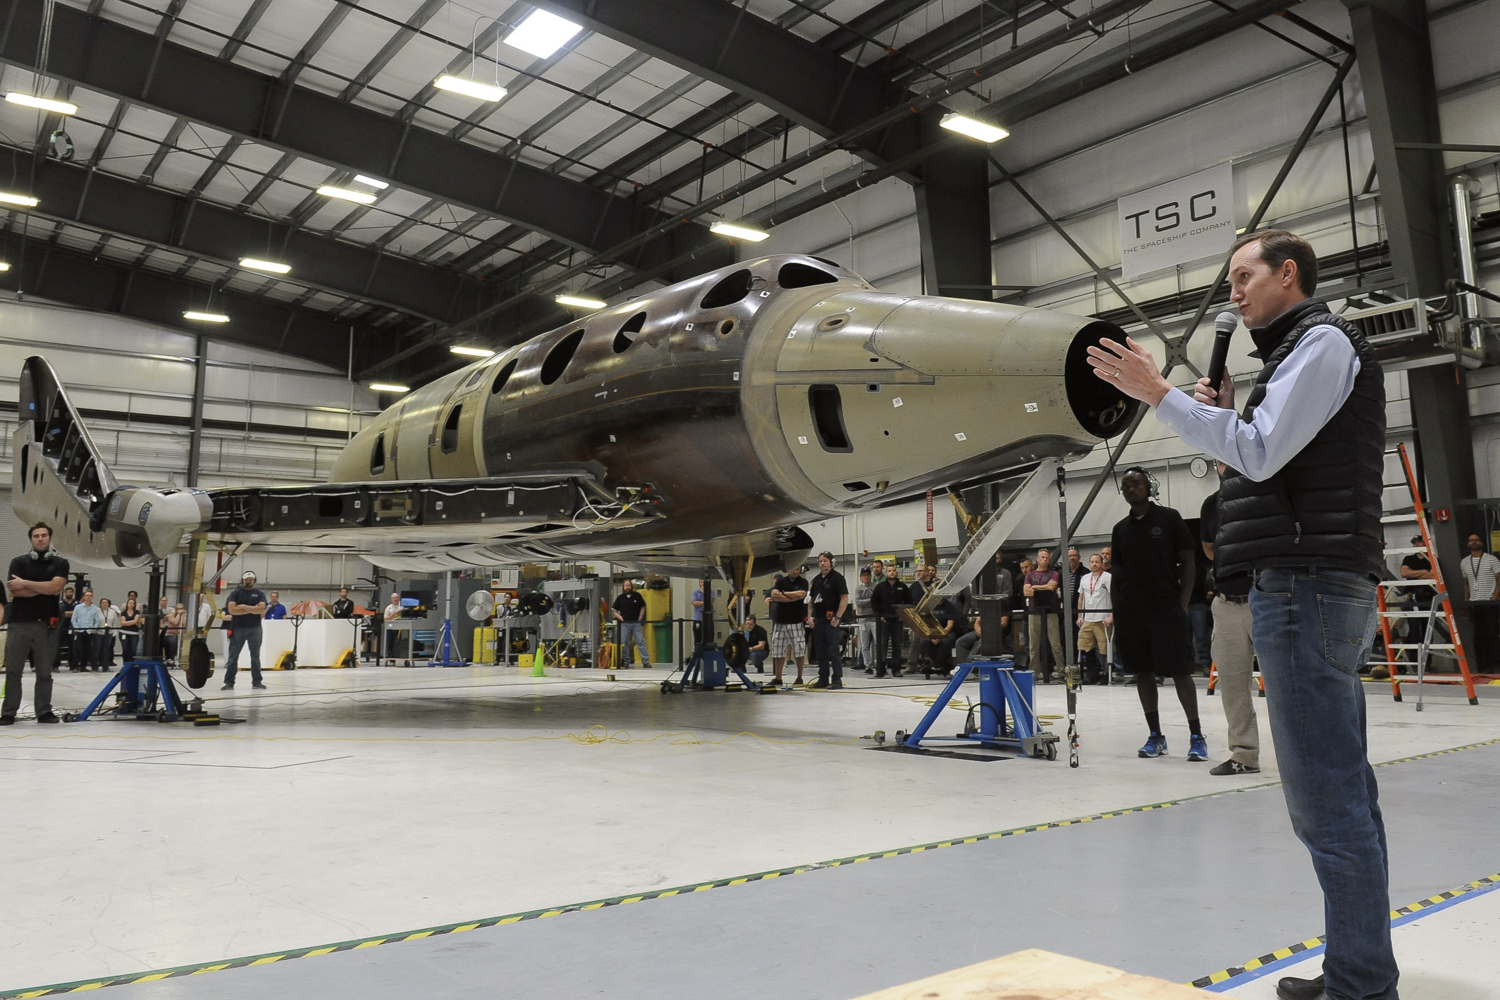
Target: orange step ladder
[(1394, 651)]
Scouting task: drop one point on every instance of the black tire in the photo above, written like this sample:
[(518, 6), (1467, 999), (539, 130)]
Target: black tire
[(736, 651)]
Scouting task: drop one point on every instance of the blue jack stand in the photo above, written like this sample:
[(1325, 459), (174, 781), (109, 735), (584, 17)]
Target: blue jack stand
[(706, 670), (1001, 687), (445, 653), (147, 691)]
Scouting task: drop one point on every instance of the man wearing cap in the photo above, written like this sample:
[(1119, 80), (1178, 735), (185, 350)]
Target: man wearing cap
[(245, 607)]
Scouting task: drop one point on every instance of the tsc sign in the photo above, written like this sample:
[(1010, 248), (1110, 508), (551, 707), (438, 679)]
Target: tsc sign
[(1177, 222)]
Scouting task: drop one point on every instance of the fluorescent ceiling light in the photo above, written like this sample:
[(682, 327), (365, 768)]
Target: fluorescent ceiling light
[(42, 103), (542, 33), (358, 197), (4, 265), (469, 88), (473, 352), (737, 231), (24, 200), (973, 127), (205, 317), (579, 301), (269, 266), (389, 387), (372, 182)]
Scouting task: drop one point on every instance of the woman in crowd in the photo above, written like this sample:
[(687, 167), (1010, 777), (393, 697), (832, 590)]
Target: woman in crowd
[(130, 631)]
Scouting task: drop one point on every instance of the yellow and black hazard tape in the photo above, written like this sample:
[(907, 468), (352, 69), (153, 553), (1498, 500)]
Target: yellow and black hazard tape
[(1276, 956), (512, 918), (1438, 753)]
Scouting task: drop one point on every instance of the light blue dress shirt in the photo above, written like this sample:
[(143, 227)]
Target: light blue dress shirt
[(1303, 394), (87, 616)]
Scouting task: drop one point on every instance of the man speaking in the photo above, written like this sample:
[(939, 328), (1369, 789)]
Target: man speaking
[(1300, 509)]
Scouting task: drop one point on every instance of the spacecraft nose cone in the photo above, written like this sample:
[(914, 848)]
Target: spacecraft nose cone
[(954, 338)]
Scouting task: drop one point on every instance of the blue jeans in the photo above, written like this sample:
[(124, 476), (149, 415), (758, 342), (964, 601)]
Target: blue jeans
[(633, 632), (828, 640), (237, 642), (1201, 618), (758, 659), (1313, 630)]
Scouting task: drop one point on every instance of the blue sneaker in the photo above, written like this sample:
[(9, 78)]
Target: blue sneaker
[(1197, 748), (1156, 746)]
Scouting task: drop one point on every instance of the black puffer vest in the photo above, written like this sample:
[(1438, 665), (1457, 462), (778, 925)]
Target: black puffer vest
[(1323, 507)]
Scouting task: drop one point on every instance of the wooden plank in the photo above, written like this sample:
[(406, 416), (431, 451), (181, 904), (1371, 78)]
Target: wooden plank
[(1037, 975)]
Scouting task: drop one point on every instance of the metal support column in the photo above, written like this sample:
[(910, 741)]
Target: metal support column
[(187, 586), (1395, 67), (953, 216)]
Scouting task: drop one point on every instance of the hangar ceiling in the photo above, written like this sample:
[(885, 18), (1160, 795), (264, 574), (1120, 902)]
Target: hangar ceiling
[(205, 128)]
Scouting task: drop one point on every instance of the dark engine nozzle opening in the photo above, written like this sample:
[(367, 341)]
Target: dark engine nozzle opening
[(1100, 407)]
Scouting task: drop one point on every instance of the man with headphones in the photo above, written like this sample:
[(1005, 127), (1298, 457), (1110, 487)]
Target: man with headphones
[(35, 581), (246, 606), (1152, 577)]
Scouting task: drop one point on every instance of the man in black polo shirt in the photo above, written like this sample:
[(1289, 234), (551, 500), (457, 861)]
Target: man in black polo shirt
[(828, 595), (1233, 652), (343, 607), (889, 595), (629, 609), (35, 580), (246, 605), (788, 601), (1153, 580), (759, 642)]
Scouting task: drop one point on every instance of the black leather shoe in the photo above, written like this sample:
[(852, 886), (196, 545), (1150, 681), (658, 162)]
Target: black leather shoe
[(1292, 988), (49, 718), (7, 720)]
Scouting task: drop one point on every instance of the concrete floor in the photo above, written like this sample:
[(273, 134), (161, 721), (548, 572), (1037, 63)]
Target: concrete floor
[(357, 804)]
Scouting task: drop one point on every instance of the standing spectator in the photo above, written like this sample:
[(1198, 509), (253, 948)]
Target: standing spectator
[(65, 631), (759, 643), (342, 608), (86, 624), (865, 634), (1043, 604), (276, 611), (629, 609), (206, 611), (1107, 555), (888, 595), (107, 636), (131, 621), (698, 613), (391, 613), (1481, 572), (828, 598), (1095, 619), (1233, 651), (1018, 622), (926, 574), (1153, 579), (36, 579), (1076, 572), (788, 602), (171, 636), (1004, 588), (245, 607), (1200, 615)]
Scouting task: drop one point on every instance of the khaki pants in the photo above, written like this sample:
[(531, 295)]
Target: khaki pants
[(1050, 623), (1234, 658), (1093, 635)]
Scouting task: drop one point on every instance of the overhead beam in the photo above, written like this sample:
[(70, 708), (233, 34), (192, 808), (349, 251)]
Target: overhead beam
[(100, 201), (101, 55), (77, 278)]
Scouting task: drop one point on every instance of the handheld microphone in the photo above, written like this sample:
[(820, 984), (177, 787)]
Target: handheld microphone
[(1224, 325)]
